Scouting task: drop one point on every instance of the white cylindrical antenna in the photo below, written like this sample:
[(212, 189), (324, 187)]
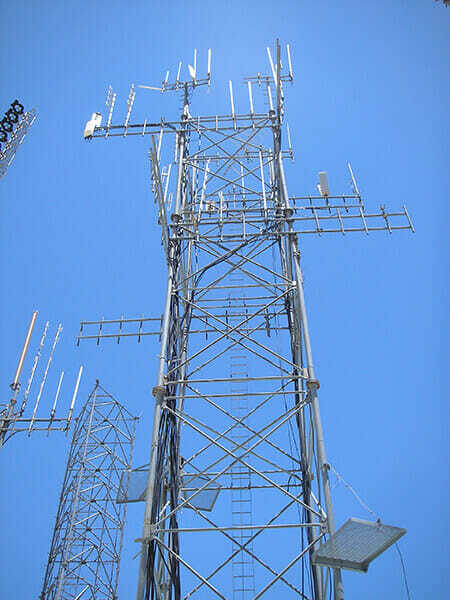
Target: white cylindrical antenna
[(53, 411), (269, 96), (72, 404), (263, 186), (202, 197), (33, 368), (179, 71), (231, 98), (167, 183), (291, 74), (272, 66), (250, 96), (158, 154), (175, 155), (208, 74), (355, 187), (15, 384), (44, 377), (165, 80), (289, 138)]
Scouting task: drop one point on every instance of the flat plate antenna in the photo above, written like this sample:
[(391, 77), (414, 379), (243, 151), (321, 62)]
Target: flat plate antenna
[(356, 544)]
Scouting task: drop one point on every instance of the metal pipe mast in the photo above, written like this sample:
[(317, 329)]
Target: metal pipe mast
[(84, 556), (235, 283)]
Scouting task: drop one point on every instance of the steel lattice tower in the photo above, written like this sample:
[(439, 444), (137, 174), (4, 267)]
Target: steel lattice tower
[(238, 487), (84, 557)]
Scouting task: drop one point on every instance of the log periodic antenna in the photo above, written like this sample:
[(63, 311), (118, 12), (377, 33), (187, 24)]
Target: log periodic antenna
[(15, 418), (247, 429)]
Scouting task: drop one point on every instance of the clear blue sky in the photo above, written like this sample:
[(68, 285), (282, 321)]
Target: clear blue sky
[(79, 240)]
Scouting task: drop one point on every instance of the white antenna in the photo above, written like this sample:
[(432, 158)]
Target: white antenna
[(355, 187), (179, 71), (167, 182), (250, 97), (191, 72), (33, 368), (291, 74), (44, 377), (52, 413), (165, 81), (289, 138), (205, 179), (110, 101), (208, 74), (231, 98), (130, 101), (269, 96), (75, 392), (263, 185), (272, 66)]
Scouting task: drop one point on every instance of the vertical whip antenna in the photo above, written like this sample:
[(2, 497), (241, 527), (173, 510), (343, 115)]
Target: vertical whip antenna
[(44, 377), (250, 97), (33, 368), (231, 98), (74, 397), (52, 413), (178, 73), (208, 74), (354, 185), (291, 74), (274, 74)]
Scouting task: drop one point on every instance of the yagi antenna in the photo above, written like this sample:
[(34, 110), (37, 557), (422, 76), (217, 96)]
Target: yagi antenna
[(130, 101), (110, 101)]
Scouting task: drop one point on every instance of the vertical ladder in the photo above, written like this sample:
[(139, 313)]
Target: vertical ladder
[(241, 496)]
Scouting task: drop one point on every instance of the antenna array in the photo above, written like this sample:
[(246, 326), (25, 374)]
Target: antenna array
[(14, 416)]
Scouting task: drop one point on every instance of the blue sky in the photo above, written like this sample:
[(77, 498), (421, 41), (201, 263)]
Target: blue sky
[(79, 240)]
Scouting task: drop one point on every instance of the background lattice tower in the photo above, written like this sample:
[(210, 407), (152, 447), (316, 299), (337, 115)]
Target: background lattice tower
[(84, 556)]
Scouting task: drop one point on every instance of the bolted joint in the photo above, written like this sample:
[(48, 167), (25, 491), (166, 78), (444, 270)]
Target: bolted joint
[(313, 384), (176, 218), (159, 390), (288, 212)]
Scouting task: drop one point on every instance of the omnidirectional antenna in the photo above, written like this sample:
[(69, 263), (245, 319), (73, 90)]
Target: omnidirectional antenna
[(291, 74), (250, 97), (272, 66)]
